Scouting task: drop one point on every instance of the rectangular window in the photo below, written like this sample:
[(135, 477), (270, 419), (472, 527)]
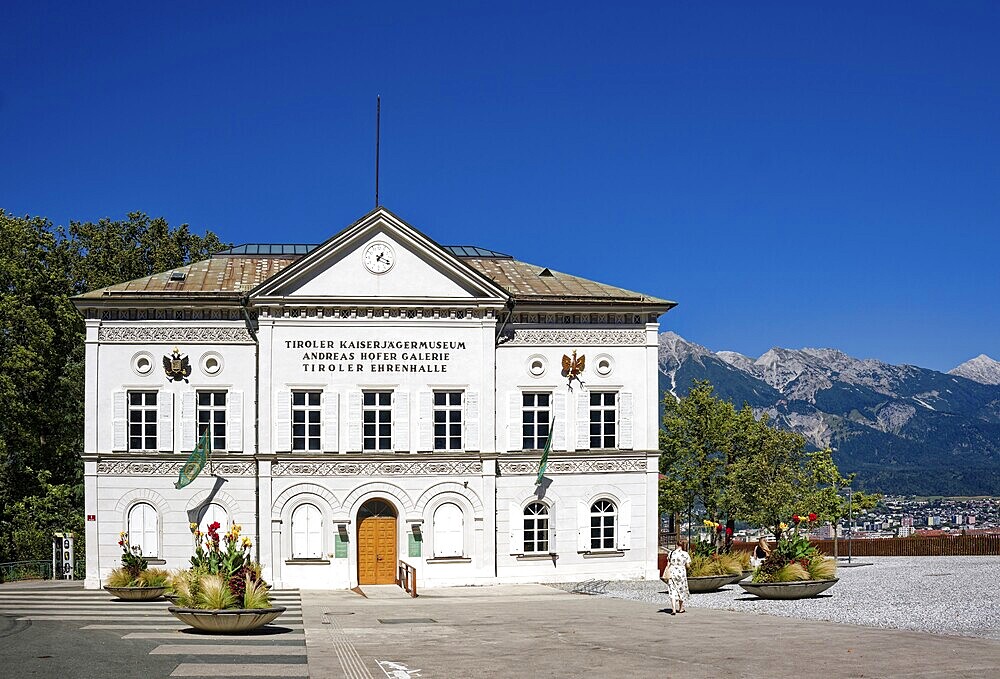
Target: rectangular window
[(535, 420), (212, 417), (603, 418), (377, 419), (142, 416), (447, 420), (306, 418)]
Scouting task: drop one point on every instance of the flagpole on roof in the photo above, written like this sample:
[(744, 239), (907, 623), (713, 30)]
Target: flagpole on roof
[(378, 139)]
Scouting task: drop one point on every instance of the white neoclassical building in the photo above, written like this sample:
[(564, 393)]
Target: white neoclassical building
[(376, 398)]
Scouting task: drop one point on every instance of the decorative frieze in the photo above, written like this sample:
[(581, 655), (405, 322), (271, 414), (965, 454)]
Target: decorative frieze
[(574, 337), (574, 466), (137, 468), (401, 468), (567, 318), (356, 312), (181, 335), (165, 314)]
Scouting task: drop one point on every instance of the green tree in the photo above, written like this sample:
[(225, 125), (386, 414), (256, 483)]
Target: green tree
[(41, 351), (697, 448), (779, 477)]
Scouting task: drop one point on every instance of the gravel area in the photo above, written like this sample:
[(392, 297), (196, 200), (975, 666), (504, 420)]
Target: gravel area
[(958, 595)]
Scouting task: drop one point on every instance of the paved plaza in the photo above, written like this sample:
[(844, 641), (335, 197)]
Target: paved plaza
[(502, 631)]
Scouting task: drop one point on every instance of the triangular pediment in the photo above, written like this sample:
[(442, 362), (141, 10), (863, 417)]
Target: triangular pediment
[(380, 258)]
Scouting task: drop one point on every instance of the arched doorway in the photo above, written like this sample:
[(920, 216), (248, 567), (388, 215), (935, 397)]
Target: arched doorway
[(377, 543)]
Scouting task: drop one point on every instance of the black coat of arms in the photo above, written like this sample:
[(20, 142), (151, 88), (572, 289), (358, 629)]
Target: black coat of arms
[(177, 367)]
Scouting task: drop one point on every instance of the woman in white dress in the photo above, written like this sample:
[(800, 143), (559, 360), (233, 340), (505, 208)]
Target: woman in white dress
[(677, 578)]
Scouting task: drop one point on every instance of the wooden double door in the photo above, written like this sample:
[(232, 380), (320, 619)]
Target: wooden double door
[(377, 544)]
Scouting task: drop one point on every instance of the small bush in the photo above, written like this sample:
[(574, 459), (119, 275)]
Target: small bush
[(791, 572), (255, 594), (120, 577), (716, 564), (215, 593), (153, 577), (821, 568)]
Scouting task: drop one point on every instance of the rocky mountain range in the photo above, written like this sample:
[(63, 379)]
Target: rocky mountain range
[(902, 428)]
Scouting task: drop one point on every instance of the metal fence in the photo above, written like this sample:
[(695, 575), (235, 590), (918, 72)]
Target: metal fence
[(25, 570), (937, 545)]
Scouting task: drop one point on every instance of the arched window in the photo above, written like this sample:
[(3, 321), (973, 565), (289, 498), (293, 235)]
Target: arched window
[(603, 522), (307, 532), (536, 528), (143, 528), (214, 513), (449, 532)]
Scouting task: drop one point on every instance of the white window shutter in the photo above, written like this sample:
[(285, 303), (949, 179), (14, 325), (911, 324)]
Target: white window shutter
[(119, 418), (552, 529), (624, 528), (401, 421), (354, 442), (559, 428), (300, 534), (516, 528), (625, 420), (425, 436), (582, 419), (331, 421), (150, 532), (315, 550), (582, 526), (189, 426), (165, 421), (234, 421), (471, 399), (515, 433), (448, 531), (283, 422)]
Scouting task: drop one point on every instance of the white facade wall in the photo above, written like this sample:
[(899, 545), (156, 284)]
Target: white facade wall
[(312, 332)]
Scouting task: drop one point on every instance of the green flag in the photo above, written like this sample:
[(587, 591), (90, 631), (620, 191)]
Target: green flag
[(195, 462), (545, 453)]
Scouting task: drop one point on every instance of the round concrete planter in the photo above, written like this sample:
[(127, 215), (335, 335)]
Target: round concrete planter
[(226, 621), (706, 583), (136, 593), (788, 590)]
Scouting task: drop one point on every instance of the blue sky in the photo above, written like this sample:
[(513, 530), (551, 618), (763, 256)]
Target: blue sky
[(792, 174)]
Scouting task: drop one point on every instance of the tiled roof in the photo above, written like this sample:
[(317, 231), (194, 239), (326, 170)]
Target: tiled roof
[(535, 283), (235, 274), (224, 275)]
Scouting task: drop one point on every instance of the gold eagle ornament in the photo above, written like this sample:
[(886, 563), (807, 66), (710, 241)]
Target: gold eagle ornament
[(177, 367), (573, 367)]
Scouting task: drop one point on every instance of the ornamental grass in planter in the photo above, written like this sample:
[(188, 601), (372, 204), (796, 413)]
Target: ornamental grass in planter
[(223, 591), (134, 580), (794, 559), (711, 568)]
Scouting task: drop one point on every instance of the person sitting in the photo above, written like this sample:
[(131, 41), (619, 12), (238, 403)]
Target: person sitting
[(760, 553)]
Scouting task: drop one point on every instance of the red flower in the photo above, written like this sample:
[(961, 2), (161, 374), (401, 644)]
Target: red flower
[(121, 543), (718, 528), (796, 518), (812, 516), (729, 531), (215, 526)]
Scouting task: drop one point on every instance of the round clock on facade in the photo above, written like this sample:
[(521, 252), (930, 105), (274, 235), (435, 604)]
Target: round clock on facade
[(379, 257)]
